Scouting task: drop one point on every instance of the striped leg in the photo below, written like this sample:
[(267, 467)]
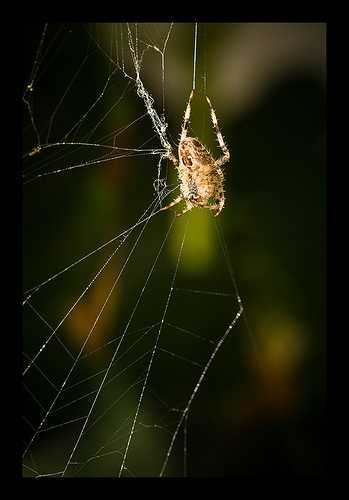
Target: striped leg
[(174, 202), (226, 155), (186, 209), (186, 118)]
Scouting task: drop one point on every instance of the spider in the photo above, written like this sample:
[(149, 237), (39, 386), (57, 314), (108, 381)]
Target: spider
[(201, 177)]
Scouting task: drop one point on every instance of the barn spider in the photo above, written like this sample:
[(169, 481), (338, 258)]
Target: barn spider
[(201, 177)]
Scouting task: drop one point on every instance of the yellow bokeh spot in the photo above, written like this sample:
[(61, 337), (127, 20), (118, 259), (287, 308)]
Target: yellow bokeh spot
[(199, 245)]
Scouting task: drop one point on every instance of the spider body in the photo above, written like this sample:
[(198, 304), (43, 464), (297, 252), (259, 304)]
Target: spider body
[(201, 177), (201, 183)]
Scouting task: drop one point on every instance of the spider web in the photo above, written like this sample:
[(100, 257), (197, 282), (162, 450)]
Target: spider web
[(125, 310)]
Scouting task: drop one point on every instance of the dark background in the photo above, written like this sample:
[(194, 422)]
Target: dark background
[(260, 410)]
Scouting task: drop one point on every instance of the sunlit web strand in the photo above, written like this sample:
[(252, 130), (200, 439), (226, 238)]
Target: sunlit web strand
[(153, 351), (94, 163), (117, 349), (81, 352), (97, 145), (30, 171), (31, 291), (101, 269)]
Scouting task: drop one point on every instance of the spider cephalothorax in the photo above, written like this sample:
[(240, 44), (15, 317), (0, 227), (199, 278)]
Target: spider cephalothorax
[(200, 175)]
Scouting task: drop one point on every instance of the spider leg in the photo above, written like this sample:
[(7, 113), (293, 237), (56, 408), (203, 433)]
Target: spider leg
[(219, 208), (215, 208), (174, 202), (186, 118), (172, 157), (187, 208), (226, 155)]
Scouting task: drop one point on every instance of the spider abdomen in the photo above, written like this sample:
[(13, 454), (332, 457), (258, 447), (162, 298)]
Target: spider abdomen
[(200, 175), (191, 152)]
